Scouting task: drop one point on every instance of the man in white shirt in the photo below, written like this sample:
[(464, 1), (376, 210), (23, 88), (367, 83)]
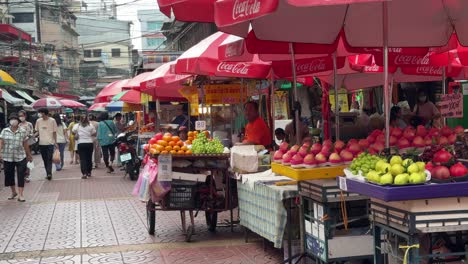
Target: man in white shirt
[(46, 127)]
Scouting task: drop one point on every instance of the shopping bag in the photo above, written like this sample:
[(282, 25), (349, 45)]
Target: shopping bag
[(159, 189), (30, 165), (141, 189), (56, 157)]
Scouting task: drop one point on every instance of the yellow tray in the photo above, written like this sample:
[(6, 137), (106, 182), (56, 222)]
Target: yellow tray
[(308, 174)]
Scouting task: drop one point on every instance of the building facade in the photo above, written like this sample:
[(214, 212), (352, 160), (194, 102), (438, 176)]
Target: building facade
[(151, 23)]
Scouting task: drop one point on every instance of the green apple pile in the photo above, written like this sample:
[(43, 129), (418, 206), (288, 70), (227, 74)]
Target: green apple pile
[(364, 162), (397, 172)]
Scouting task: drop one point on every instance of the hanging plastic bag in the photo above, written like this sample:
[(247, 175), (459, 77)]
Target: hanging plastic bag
[(56, 158), (30, 165), (159, 189)]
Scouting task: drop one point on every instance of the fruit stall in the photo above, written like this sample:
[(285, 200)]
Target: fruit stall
[(187, 178), (417, 191)]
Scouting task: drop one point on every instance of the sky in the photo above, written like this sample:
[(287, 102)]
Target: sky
[(127, 10)]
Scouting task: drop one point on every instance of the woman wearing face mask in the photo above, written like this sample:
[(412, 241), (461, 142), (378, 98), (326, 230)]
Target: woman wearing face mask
[(425, 111), (15, 153), (29, 128)]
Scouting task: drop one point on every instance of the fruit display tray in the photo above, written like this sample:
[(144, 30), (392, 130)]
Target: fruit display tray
[(330, 172), (406, 192)]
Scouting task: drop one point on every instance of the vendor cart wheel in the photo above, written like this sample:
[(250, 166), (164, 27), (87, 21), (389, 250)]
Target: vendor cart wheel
[(190, 231), (211, 220), (151, 217)]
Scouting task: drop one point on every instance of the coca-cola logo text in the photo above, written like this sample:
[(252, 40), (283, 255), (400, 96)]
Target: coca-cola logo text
[(428, 70), (235, 68), (373, 68), (232, 50), (317, 65), (245, 8), (411, 60)]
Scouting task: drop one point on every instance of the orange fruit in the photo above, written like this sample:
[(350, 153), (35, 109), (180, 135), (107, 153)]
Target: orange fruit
[(207, 133), (180, 143), (188, 152), (190, 134), (167, 134), (164, 152), (168, 148), (184, 148), (175, 138), (188, 142), (181, 152), (176, 148), (162, 143), (173, 152), (159, 148), (190, 138), (153, 151), (167, 138), (171, 143)]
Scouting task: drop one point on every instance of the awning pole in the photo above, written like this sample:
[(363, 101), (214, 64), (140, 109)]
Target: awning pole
[(337, 107), (444, 91), (294, 82), (386, 88)]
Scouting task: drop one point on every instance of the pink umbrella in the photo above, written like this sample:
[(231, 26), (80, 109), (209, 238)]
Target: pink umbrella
[(189, 10), (163, 83), (98, 107), (203, 59), (134, 83), (112, 89), (71, 103), (49, 103)]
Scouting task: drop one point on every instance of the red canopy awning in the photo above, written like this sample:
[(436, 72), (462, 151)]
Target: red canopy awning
[(12, 33)]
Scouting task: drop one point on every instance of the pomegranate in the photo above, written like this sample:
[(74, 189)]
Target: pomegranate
[(378, 147), (363, 143), (443, 140), (376, 132), (339, 145), (396, 132), (429, 166), (459, 130), (354, 148), (371, 139), (380, 138), (418, 142), (434, 132), (442, 156), (440, 172), (316, 148), (446, 131), (452, 138), (421, 131), (409, 133), (428, 141), (403, 143), (346, 155), (393, 140), (458, 170)]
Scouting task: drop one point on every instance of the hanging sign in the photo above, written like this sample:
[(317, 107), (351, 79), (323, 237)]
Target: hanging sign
[(200, 125), (280, 104), (342, 101), (191, 94), (165, 168), (223, 94), (451, 105)]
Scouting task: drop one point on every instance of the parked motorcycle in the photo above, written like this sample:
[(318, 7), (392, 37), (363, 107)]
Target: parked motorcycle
[(126, 143)]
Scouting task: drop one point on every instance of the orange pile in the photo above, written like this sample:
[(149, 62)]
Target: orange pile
[(191, 135), (168, 145)]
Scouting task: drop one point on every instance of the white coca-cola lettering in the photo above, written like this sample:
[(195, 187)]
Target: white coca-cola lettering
[(232, 50), (428, 70), (244, 8), (373, 68), (411, 60), (236, 68), (313, 66), (151, 83)]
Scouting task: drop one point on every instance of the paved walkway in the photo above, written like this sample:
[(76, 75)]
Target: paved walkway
[(70, 220)]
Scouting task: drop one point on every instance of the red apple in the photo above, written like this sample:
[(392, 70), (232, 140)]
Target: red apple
[(158, 136), (309, 159), (371, 139), (339, 145), (380, 138), (294, 149), (326, 150), (452, 138), (409, 133), (396, 132), (459, 130), (327, 142), (287, 158), (284, 146), (352, 141), (403, 143), (320, 158), (434, 132), (297, 159), (418, 142), (335, 158), (152, 141), (354, 148), (316, 148), (278, 155), (443, 140), (427, 141), (446, 131), (376, 132), (346, 155), (303, 151), (363, 143), (393, 140), (421, 131), (378, 146)]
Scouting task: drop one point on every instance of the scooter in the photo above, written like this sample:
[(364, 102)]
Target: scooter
[(126, 143)]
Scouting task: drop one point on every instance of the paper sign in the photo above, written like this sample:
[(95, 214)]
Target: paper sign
[(200, 125), (165, 168), (451, 105), (224, 94), (343, 185)]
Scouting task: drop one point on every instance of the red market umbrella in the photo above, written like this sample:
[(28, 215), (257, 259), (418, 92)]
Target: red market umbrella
[(71, 103), (189, 10), (112, 89), (49, 103), (134, 83), (131, 97), (203, 59), (98, 107), (164, 84)]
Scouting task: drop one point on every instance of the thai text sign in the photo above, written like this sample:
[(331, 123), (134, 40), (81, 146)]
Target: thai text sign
[(224, 94), (451, 105)]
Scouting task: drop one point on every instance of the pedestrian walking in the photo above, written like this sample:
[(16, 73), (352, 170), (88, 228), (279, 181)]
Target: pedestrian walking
[(15, 153), (84, 133), (46, 128), (72, 142), (97, 148), (62, 136), (29, 128), (106, 134)]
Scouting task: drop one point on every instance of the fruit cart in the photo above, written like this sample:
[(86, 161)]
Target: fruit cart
[(426, 223), (208, 196), (332, 220)]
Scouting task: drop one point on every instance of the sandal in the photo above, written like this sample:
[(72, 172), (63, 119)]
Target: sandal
[(21, 199), (13, 196)]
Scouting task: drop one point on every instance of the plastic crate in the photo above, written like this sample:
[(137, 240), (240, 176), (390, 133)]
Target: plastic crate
[(325, 191), (182, 195)]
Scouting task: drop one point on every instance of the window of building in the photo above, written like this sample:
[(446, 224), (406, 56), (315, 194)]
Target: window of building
[(154, 42), (23, 17), (154, 25), (87, 53), (115, 52), (97, 53)]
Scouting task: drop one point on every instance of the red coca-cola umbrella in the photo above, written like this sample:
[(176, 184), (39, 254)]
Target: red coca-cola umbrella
[(163, 83), (203, 59), (134, 83), (188, 10), (109, 91)]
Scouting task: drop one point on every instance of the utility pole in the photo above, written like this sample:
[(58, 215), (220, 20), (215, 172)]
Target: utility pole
[(38, 21)]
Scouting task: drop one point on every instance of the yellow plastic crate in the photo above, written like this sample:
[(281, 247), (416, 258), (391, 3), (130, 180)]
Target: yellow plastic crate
[(308, 174)]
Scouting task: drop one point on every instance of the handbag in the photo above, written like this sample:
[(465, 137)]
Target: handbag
[(110, 129)]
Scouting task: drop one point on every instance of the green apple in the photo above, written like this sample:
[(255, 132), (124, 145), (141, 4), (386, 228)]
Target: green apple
[(379, 165), (401, 179), (386, 167), (415, 178), (407, 162), (397, 169), (422, 176), (396, 160), (413, 168), (421, 165), (372, 174), (387, 178)]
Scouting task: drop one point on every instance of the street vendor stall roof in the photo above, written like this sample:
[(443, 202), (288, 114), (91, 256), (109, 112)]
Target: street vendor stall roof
[(26, 96), (11, 99)]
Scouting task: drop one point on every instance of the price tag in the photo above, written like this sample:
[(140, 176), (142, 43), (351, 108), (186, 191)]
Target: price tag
[(200, 125), (343, 185), (165, 168)]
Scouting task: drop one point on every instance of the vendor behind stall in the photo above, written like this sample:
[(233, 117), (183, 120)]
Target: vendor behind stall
[(256, 130), (425, 112), (290, 129)]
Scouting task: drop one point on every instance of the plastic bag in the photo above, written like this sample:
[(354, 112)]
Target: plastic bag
[(56, 157), (142, 187), (30, 165), (159, 189)]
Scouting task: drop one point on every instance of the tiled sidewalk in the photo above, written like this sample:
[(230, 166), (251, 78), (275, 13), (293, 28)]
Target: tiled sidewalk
[(70, 220)]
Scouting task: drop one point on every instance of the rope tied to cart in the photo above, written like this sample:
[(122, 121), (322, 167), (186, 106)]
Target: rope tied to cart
[(407, 249), (344, 212)]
